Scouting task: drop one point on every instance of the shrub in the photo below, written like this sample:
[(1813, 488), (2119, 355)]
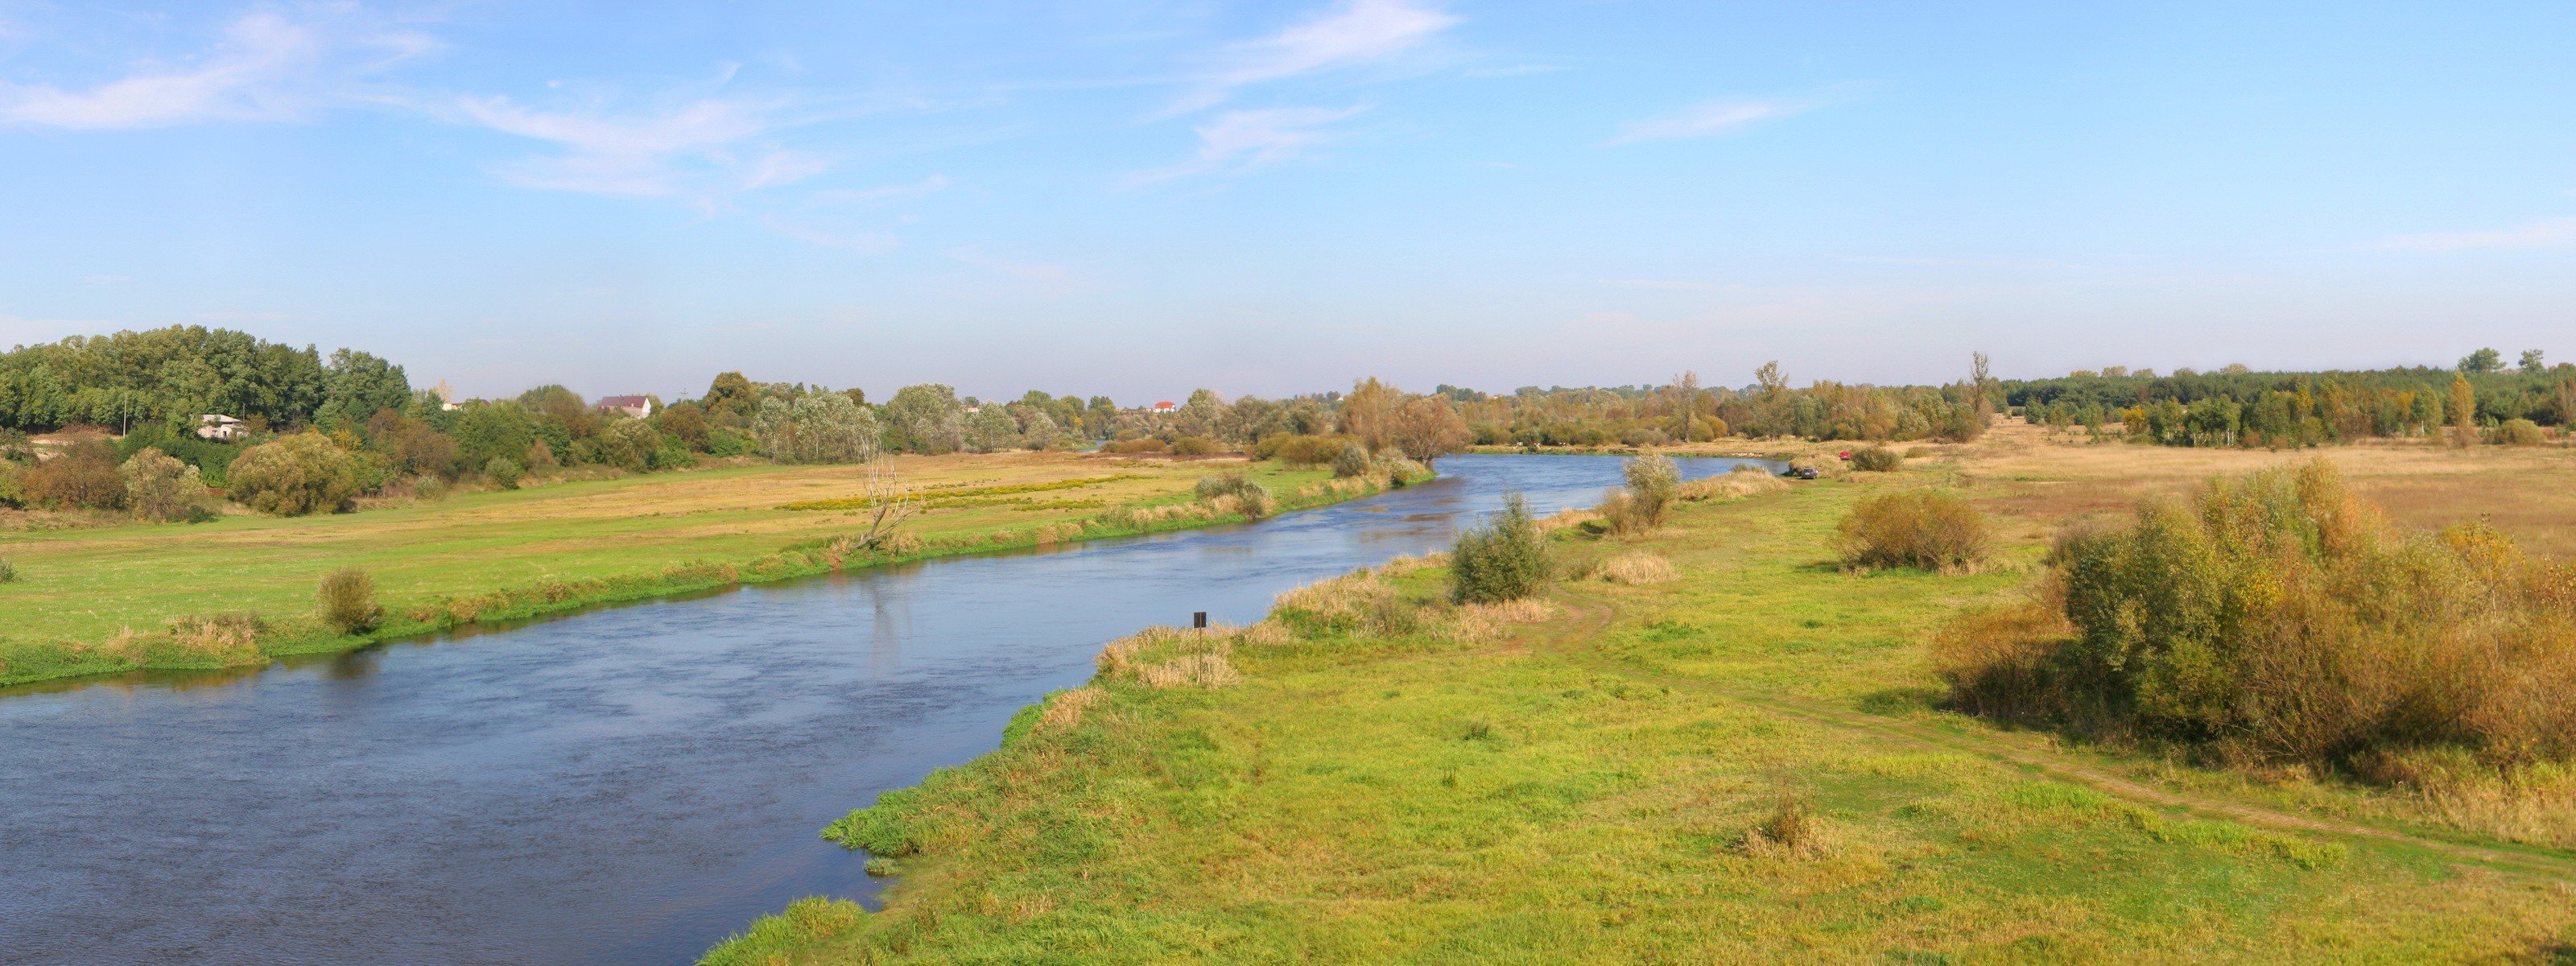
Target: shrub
[(1876, 459), (83, 477), (1352, 461), (504, 473), (2276, 618), (1653, 484), (159, 487), (1927, 531), (348, 598), (1236, 491), (294, 475), (431, 488), (1195, 446), (1145, 444), (8, 571), (2520, 432), (1506, 558)]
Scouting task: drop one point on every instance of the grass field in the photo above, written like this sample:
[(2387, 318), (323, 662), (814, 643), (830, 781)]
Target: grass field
[(515, 553), (1587, 787)]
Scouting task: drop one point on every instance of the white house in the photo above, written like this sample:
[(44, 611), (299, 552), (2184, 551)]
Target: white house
[(636, 406), (220, 426), (1165, 407)]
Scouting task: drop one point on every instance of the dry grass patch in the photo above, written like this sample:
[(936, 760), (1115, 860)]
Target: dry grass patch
[(1636, 568)]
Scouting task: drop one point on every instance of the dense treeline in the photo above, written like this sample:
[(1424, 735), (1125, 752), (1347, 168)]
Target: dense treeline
[(2238, 407), (1683, 411)]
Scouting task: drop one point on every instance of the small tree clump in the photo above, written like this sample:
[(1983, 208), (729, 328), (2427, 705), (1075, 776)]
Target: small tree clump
[(159, 487), (348, 598), (2519, 432), (504, 473), (1352, 461), (1653, 483), (1923, 530), (83, 477), (1506, 558), (1876, 459), (294, 475)]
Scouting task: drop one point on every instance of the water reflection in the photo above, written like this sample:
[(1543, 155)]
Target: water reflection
[(625, 785)]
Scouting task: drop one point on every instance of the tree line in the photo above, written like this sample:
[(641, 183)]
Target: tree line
[(2235, 406)]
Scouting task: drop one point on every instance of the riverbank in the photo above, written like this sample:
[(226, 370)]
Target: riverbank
[(239, 592), (1740, 762)]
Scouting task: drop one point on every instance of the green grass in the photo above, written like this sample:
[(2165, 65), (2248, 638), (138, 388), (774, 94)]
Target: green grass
[(513, 554), (1579, 791)]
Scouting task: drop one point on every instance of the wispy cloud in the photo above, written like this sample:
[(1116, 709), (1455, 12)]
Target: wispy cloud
[(1051, 279), (1710, 119), (633, 154), (876, 196), (267, 67), (238, 316), (863, 243), (1240, 140), (2541, 234), (1355, 33)]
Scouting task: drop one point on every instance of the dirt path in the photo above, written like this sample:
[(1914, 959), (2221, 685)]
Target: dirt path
[(1593, 617)]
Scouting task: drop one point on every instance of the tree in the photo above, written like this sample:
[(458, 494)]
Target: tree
[(85, 476), (2464, 409), (159, 487), (730, 399), (889, 504), (816, 428), (685, 422), (1425, 428), (992, 429), (2531, 364), (358, 385), (628, 444), (926, 418), (294, 475), (1367, 413), (1505, 559), (2482, 362)]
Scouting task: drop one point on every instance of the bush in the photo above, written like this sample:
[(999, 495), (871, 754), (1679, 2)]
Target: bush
[(1195, 446), (348, 598), (504, 473), (1146, 444), (1876, 459), (2276, 618), (2520, 432), (1927, 531), (1653, 483), (83, 477), (1506, 558), (8, 571), (430, 488), (294, 475), (1237, 492), (159, 487), (1352, 461)]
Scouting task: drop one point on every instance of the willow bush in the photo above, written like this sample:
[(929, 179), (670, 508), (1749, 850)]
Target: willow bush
[(1913, 528), (1506, 558), (2277, 618)]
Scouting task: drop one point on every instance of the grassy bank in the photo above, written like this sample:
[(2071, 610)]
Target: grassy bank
[(1738, 763), (240, 590)]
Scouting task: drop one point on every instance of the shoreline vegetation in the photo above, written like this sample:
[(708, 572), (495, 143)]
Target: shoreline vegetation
[(249, 639), (1722, 734)]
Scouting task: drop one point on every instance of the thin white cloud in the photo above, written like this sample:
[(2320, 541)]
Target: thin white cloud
[(1051, 279), (2541, 234), (1356, 32), (612, 154), (779, 166), (267, 67), (1710, 119), (1240, 140), (876, 196), (863, 243)]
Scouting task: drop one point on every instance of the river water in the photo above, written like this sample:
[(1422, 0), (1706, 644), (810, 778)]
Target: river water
[(627, 785)]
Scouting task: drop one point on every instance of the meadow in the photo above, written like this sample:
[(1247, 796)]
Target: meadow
[(1737, 755), (103, 599)]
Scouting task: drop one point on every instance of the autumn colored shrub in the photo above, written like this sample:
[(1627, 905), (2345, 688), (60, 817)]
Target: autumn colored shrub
[(1914, 528)]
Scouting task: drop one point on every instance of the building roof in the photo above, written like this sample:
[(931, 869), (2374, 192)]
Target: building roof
[(1165, 404), (624, 402)]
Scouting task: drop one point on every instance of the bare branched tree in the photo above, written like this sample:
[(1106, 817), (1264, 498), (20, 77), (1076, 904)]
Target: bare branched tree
[(890, 501)]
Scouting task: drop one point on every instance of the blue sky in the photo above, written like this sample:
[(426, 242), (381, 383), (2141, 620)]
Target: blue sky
[(1141, 198)]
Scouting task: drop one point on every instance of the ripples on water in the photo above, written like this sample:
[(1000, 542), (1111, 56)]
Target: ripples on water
[(627, 785)]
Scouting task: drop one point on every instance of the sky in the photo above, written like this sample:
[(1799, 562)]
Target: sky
[(1141, 198)]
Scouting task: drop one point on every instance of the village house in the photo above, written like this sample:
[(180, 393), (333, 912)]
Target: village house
[(1164, 408), (636, 406), (217, 426)]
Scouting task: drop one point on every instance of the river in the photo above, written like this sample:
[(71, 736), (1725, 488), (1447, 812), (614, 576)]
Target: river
[(626, 785)]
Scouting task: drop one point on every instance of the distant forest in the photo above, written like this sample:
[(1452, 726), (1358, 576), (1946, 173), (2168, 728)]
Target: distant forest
[(2239, 407)]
